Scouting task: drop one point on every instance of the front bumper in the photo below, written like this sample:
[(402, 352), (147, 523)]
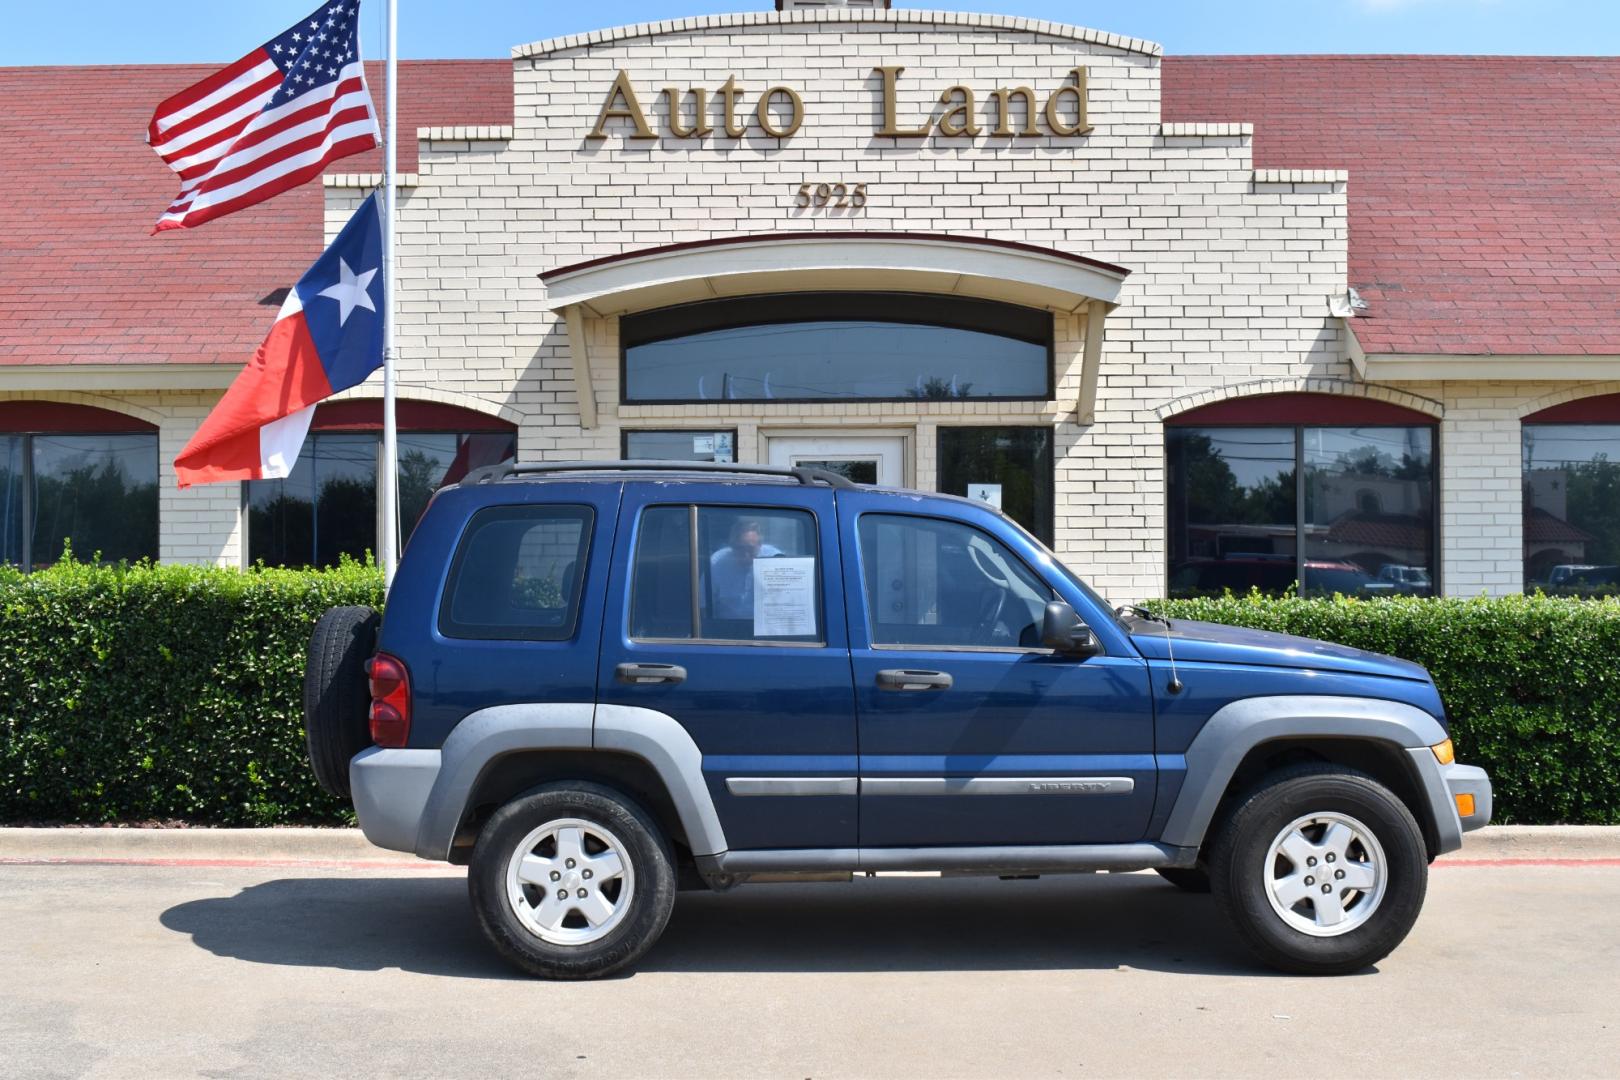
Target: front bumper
[(1441, 786), (1469, 780), (390, 790)]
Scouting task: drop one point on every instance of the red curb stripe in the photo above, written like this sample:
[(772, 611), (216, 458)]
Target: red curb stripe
[(319, 864), (1527, 862)]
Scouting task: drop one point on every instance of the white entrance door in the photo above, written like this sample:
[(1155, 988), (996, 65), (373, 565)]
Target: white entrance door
[(865, 459)]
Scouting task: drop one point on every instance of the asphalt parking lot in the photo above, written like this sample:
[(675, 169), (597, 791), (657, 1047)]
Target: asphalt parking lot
[(263, 967)]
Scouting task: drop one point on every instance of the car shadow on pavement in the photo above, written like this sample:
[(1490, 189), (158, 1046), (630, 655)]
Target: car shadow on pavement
[(415, 923), (424, 924)]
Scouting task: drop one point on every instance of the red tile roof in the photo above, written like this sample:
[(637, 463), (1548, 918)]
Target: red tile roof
[(1484, 200), (1484, 192), (81, 281)]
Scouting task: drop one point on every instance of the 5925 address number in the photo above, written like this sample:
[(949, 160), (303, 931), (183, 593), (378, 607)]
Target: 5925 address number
[(835, 196)]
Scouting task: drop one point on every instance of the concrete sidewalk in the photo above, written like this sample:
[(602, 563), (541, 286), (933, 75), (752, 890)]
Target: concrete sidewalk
[(1496, 842)]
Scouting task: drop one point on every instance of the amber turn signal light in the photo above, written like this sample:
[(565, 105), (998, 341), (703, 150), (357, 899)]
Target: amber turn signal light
[(1465, 804), (1445, 754)]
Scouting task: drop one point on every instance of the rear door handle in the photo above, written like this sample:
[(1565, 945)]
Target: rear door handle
[(912, 679), (650, 673)]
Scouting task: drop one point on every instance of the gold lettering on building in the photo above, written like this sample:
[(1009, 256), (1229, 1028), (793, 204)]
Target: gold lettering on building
[(779, 113), (630, 110), (957, 118), (891, 108), (1004, 111), (700, 125), (1054, 107), (795, 112)]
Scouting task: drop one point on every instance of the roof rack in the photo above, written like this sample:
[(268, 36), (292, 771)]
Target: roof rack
[(493, 473)]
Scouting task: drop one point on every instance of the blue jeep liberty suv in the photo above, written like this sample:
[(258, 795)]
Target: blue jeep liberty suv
[(601, 682)]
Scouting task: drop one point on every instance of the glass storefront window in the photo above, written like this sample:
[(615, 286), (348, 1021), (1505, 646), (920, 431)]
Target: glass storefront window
[(680, 445), (1369, 510), (11, 498), (327, 507), (840, 347), (97, 493), (1010, 467), (1572, 509), (1335, 509), (1232, 510)]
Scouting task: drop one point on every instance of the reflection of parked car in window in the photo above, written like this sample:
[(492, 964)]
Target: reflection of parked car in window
[(1343, 578), (1274, 575), (1591, 577), (1567, 573), (913, 684), (1407, 579)]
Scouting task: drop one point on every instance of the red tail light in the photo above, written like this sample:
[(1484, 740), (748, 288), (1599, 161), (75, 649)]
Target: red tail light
[(390, 701)]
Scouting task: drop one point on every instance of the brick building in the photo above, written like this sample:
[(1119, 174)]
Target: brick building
[(1198, 322)]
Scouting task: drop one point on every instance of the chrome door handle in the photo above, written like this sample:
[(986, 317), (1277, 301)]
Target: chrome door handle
[(638, 674), (912, 679)]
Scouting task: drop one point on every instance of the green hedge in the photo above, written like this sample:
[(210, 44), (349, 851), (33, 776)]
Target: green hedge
[(1531, 684), (162, 693), (172, 693)]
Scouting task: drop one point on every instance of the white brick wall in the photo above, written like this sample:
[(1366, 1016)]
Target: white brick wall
[(1231, 267), (1230, 273)]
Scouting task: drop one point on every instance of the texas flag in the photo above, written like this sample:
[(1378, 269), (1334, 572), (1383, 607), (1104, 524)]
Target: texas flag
[(328, 337)]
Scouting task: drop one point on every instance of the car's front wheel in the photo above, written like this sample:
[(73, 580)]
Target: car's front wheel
[(1321, 869), (572, 881)]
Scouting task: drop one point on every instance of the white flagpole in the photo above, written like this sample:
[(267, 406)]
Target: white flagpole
[(390, 470)]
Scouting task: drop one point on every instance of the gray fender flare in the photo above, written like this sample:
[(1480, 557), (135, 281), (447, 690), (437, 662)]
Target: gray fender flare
[(1235, 729), (488, 734)]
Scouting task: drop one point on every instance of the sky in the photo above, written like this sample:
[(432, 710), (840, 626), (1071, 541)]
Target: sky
[(149, 31)]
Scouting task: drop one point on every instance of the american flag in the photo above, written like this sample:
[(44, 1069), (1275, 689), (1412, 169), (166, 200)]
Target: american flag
[(268, 122)]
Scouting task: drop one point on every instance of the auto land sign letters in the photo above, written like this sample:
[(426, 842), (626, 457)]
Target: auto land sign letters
[(780, 112)]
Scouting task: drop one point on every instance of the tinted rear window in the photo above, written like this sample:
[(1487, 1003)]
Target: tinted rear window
[(517, 574)]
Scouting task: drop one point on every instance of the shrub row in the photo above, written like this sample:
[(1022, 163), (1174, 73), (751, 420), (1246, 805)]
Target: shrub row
[(168, 693), (173, 692), (1531, 684)]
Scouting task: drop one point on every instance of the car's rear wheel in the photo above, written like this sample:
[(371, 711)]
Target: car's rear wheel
[(1322, 870), (572, 881), (336, 698)]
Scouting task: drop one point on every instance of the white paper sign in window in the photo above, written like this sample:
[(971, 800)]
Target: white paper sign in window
[(784, 597)]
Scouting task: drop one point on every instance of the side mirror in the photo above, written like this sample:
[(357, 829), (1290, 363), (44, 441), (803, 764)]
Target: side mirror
[(1062, 631)]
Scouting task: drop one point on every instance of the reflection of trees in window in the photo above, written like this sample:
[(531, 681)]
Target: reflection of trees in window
[(1369, 461), (1593, 493), (1215, 495), (290, 523), (420, 475), (98, 509), (1365, 527), (935, 388), (345, 513), (1572, 508)]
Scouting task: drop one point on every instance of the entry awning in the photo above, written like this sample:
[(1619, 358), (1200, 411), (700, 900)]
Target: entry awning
[(838, 261), (841, 261)]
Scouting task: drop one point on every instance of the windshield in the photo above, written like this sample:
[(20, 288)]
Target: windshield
[(1057, 566)]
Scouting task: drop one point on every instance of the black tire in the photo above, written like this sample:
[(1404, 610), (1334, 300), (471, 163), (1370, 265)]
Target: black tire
[(650, 861), (1193, 879), (336, 697), (1239, 876)]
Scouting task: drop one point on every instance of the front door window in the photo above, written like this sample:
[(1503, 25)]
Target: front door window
[(864, 459)]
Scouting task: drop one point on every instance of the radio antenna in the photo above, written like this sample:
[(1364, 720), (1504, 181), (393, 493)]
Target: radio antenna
[(1175, 684)]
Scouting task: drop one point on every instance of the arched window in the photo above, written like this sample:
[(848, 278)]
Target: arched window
[(1572, 497), (76, 475), (1334, 493), (328, 507), (802, 347)]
